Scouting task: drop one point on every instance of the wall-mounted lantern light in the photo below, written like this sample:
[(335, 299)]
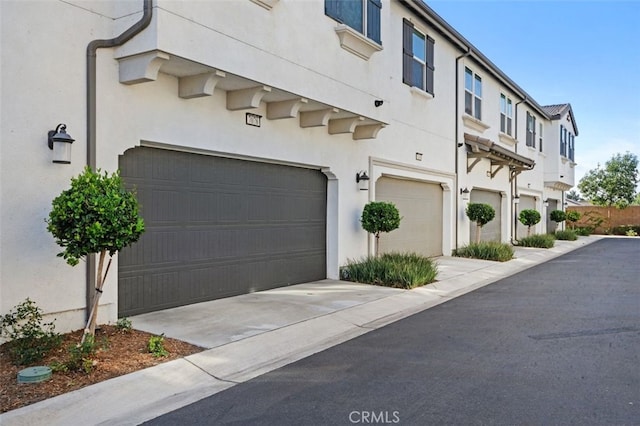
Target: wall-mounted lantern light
[(516, 199), (546, 202), (465, 194), (60, 142), (362, 180)]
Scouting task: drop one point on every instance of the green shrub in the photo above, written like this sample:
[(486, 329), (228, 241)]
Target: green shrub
[(124, 324), (567, 235), (398, 270), (538, 240), (486, 250), (572, 217), (156, 346), (624, 229), (584, 231), (557, 216), (29, 340), (80, 356), (481, 214), (96, 215), (631, 233), (529, 217), (380, 216)]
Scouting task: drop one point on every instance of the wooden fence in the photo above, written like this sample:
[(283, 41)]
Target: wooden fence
[(607, 217)]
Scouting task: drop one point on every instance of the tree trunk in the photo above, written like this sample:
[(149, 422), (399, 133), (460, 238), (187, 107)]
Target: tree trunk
[(478, 230), (377, 243), (90, 328), (529, 231)]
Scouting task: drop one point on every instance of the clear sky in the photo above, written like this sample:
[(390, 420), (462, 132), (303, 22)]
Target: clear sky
[(583, 52)]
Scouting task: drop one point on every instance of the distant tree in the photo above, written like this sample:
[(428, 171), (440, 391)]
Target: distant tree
[(529, 217), (614, 184), (380, 216), (481, 214), (573, 195)]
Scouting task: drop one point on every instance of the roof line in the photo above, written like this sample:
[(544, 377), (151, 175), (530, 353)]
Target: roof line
[(465, 45)]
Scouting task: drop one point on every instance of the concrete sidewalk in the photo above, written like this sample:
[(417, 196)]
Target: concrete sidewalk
[(252, 334)]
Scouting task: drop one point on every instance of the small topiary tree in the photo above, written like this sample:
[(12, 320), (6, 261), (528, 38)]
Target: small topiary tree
[(572, 217), (557, 216), (481, 214), (96, 215), (380, 216), (529, 217)]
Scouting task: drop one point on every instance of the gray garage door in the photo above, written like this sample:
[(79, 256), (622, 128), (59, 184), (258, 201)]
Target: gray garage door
[(218, 227), (420, 206), (527, 202), (492, 231)]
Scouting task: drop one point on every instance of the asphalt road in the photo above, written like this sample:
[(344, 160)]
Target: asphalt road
[(554, 345)]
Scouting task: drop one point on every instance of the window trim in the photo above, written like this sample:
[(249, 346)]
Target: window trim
[(428, 74), (474, 96), (540, 135), (373, 32), (530, 138), (508, 115)]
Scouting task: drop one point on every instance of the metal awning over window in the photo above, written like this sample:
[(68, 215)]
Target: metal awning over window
[(479, 148)]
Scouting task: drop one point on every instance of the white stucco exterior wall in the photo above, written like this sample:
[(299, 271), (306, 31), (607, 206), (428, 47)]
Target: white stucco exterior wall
[(294, 48)]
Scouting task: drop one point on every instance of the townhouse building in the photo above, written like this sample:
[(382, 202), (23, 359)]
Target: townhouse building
[(249, 129)]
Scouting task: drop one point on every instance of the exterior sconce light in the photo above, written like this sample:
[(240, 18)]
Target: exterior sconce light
[(516, 199), (546, 202), (362, 180), (60, 142), (465, 194)]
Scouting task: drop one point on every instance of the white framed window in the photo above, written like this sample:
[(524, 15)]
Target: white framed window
[(418, 53), (506, 114), (531, 130), (472, 94), (540, 127), (361, 15)]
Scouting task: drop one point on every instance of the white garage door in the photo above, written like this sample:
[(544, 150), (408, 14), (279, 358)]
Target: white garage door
[(420, 206), (492, 231)]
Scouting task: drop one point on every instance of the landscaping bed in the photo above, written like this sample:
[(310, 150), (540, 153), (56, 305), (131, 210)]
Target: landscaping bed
[(118, 352)]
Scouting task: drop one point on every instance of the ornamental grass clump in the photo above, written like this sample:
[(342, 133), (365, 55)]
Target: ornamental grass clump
[(486, 250), (538, 241), (566, 235), (397, 270)]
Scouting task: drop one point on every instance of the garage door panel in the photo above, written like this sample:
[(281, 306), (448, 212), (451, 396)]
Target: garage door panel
[(420, 206), (219, 227), (492, 231), (527, 202)]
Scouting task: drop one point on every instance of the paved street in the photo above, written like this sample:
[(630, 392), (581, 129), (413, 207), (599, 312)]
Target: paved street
[(556, 344)]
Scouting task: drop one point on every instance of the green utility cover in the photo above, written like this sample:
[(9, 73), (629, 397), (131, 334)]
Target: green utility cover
[(34, 374)]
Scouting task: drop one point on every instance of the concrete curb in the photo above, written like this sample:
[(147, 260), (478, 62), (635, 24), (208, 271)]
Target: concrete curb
[(149, 393)]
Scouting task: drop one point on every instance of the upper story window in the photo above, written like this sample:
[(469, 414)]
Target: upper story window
[(418, 57), (563, 141), (361, 15), (531, 130), (571, 147), (540, 127), (472, 94), (506, 114)]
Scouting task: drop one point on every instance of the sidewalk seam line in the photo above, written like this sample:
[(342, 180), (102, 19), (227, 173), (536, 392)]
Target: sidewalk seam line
[(209, 374)]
